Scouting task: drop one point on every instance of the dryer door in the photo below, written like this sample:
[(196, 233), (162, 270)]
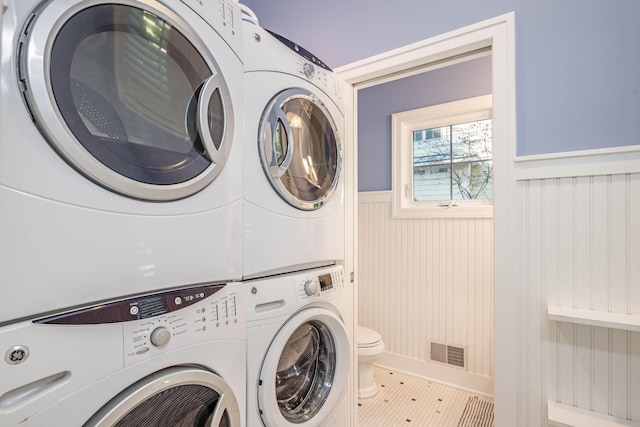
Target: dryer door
[(305, 370), (128, 94), (174, 397), (300, 149)]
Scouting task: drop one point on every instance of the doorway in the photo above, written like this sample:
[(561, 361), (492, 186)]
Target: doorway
[(497, 35)]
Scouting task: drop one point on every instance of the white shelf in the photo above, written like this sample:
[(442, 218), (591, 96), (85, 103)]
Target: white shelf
[(627, 322), (569, 416)]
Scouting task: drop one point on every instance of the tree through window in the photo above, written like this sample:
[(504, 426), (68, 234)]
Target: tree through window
[(453, 162)]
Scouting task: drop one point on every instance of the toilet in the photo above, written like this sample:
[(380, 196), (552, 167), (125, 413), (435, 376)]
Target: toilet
[(370, 347)]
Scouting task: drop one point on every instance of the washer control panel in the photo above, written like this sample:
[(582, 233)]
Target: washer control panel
[(152, 324), (320, 284)]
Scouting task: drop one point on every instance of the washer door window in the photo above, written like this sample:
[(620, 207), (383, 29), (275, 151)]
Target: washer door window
[(305, 370), (175, 397), (300, 149), (135, 100)]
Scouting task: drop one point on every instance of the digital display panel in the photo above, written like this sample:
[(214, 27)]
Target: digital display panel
[(325, 282), (150, 307)]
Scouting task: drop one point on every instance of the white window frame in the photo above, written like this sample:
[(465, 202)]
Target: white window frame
[(402, 127)]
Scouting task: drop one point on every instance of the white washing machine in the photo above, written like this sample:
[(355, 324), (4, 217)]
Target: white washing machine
[(118, 168), (170, 359), (293, 186), (298, 351)]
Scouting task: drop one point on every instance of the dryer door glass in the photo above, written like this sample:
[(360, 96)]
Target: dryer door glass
[(300, 149), (305, 372), (145, 103), (174, 397)]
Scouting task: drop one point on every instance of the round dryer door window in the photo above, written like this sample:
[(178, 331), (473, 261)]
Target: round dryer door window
[(300, 149), (175, 397), (305, 369), (136, 102)]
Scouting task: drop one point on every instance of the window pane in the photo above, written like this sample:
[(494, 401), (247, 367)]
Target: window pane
[(453, 162), (472, 180), (432, 147), (472, 141), (431, 164), (432, 183)]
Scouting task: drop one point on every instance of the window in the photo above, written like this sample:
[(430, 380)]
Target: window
[(442, 160)]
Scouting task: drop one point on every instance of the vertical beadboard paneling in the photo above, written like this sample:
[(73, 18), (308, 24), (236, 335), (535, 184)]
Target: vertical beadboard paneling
[(423, 280), (582, 250), (532, 274), (634, 246)]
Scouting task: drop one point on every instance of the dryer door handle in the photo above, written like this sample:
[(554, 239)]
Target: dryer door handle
[(277, 117), (209, 87)]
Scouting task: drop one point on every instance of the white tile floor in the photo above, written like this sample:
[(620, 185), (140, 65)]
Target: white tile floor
[(405, 400)]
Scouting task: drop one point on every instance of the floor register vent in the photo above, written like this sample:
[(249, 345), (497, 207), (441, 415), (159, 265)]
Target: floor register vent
[(448, 354)]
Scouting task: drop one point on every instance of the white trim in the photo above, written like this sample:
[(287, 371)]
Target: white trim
[(402, 126), (458, 42), (350, 195), (605, 161), (454, 377), (499, 34), (569, 416)]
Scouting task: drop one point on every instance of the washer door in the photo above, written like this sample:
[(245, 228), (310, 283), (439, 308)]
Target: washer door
[(300, 149), (305, 370), (174, 397), (128, 94)]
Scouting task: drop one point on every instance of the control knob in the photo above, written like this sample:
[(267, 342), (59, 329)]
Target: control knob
[(160, 336), (308, 69), (311, 287)]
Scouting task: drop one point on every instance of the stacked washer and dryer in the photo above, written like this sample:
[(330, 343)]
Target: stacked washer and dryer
[(150, 240), (121, 218), (298, 356)]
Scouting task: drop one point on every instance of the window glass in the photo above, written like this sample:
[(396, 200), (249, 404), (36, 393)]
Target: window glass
[(453, 162)]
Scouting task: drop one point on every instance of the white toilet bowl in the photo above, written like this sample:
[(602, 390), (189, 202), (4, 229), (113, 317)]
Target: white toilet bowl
[(370, 347)]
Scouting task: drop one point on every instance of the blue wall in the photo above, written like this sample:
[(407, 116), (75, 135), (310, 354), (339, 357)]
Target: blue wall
[(577, 61)]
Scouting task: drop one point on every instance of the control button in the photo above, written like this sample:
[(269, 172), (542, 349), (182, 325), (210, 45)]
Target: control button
[(178, 300), (142, 350), (308, 69), (311, 288), (16, 355), (134, 310), (160, 336)]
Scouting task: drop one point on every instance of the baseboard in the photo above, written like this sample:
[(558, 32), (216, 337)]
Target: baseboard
[(458, 378)]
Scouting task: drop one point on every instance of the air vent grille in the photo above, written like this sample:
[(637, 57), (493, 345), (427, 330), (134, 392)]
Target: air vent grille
[(448, 355)]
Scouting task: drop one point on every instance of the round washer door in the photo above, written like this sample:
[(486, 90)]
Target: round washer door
[(300, 149), (128, 94), (305, 370), (174, 397)]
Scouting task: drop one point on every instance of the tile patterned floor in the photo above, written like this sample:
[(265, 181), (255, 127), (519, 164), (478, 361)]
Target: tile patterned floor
[(405, 400)]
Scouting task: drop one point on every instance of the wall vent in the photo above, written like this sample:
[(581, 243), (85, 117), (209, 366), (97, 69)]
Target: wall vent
[(448, 355)]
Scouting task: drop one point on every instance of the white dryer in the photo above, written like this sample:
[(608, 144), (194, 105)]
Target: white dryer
[(169, 359), (293, 186), (118, 168), (298, 351)]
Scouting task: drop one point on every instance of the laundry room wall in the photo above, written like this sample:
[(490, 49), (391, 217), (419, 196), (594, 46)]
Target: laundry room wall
[(576, 63)]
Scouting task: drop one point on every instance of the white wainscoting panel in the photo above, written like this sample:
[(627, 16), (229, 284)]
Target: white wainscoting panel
[(581, 254), (423, 280)]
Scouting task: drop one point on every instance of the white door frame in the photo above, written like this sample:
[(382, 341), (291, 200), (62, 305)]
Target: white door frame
[(498, 35)]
